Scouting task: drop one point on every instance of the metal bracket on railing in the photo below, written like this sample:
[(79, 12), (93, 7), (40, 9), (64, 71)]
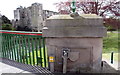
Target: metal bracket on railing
[(65, 57)]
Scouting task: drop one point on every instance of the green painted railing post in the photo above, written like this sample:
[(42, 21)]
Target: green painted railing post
[(44, 52), (40, 51), (36, 41), (20, 51), (6, 45), (1, 51), (25, 49), (29, 49), (14, 57), (3, 48), (33, 55), (14, 47), (23, 53), (11, 47), (17, 48)]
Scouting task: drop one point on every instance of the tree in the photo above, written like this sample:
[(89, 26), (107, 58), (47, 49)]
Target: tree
[(99, 7), (6, 24), (5, 20), (102, 8), (112, 23), (6, 27)]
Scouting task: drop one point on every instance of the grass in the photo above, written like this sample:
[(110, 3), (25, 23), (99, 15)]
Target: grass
[(108, 56), (110, 43)]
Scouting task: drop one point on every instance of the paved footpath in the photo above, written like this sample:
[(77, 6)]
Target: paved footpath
[(115, 64), (4, 68), (8, 66)]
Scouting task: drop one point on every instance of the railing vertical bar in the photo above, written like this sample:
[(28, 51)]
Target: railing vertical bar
[(36, 49), (5, 46), (23, 56), (24, 49), (3, 39), (12, 44), (44, 52), (25, 44), (20, 52), (33, 51), (40, 51), (14, 38), (17, 48), (29, 46), (7, 53), (11, 47), (8, 49), (2, 45)]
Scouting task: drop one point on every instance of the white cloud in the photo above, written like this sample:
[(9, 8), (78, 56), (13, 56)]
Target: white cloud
[(7, 6)]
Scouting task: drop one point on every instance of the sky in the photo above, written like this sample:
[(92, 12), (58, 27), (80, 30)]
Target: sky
[(8, 6)]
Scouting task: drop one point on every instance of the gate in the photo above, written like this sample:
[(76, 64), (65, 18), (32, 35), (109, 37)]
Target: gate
[(24, 47)]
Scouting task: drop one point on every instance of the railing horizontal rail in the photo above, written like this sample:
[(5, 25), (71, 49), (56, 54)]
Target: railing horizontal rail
[(21, 32), (24, 47)]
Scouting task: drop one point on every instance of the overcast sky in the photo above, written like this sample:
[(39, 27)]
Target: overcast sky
[(7, 6)]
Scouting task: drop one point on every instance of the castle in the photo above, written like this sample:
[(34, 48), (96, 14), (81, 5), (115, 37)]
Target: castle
[(32, 16)]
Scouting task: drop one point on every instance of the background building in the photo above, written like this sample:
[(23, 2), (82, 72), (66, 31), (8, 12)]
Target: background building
[(31, 17), (47, 14)]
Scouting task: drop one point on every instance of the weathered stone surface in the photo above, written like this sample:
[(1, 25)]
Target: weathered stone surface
[(94, 16), (66, 20), (84, 19), (82, 35), (83, 31), (81, 26), (90, 52)]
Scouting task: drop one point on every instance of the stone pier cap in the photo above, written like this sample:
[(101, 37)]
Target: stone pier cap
[(84, 25)]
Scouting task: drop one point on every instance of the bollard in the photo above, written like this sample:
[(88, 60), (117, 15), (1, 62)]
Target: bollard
[(51, 61), (112, 57)]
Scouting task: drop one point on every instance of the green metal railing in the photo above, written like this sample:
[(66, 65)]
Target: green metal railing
[(24, 47)]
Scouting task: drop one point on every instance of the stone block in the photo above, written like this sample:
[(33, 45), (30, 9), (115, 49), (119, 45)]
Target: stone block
[(83, 31), (82, 35)]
